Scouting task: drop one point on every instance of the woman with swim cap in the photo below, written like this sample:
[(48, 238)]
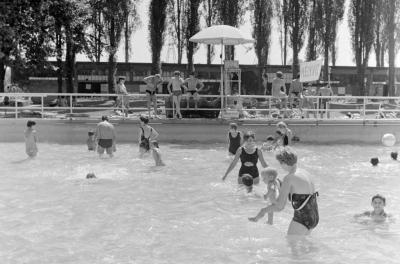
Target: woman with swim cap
[(300, 189), (249, 155)]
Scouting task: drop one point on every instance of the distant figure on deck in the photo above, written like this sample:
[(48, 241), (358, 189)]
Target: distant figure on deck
[(296, 91), (279, 90), (105, 136), (175, 86), (323, 102), (235, 139), (123, 96), (31, 139), (152, 82), (193, 85)]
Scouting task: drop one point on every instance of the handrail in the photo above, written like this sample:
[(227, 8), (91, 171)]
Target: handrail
[(357, 104)]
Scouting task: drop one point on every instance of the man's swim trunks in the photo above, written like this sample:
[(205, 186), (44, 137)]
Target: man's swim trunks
[(105, 143)]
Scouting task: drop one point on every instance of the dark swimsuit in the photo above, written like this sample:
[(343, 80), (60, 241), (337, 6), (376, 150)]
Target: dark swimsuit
[(305, 209), (253, 158), (145, 142), (105, 143), (234, 143), (151, 92), (192, 92)]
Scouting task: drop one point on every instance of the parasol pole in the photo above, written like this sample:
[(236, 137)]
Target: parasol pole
[(222, 76)]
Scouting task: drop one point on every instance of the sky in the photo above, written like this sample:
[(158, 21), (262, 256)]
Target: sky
[(140, 51)]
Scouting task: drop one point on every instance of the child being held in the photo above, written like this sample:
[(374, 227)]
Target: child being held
[(30, 139), (378, 203), (91, 141), (270, 178)]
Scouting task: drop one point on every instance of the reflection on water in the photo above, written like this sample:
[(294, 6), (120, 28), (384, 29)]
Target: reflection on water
[(135, 212)]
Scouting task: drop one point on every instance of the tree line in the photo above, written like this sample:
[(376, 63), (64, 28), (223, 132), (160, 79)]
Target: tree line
[(33, 31)]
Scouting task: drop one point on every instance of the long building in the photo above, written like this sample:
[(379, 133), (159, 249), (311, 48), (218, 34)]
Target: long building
[(92, 78)]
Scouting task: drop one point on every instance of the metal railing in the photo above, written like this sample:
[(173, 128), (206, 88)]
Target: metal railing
[(64, 105)]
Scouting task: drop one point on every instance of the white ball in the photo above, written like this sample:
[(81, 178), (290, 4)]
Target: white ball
[(388, 140)]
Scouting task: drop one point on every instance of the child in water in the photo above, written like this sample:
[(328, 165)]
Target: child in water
[(270, 144), (30, 139), (270, 178), (378, 203), (235, 139), (91, 141)]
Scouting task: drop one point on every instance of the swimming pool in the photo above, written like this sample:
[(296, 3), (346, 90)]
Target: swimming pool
[(183, 213)]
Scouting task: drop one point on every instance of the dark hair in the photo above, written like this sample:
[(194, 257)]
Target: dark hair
[(177, 73), (192, 73), (378, 196), (394, 155), (249, 134), (247, 180), (104, 118), (90, 133), (121, 78), (270, 138), (287, 156), (374, 161), (233, 126), (30, 123), (144, 119)]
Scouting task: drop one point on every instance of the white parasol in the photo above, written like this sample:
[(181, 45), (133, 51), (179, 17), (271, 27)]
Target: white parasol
[(221, 35)]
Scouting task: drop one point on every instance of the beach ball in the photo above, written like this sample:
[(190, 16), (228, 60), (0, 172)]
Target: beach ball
[(388, 140)]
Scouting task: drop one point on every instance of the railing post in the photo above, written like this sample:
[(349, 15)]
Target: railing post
[(364, 106), (70, 104), (16, 107), (41, 106), (317, 108)]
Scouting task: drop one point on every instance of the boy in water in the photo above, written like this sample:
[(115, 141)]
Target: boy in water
[(30, 139), (378, 202), (148, 141), (270, 178), (91, 141), (235, 139)]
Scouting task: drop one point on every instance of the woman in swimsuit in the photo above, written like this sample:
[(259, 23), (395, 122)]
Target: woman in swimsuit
[(249, 155), (148, 141), (177, 84), (284, 134), (300, 189)]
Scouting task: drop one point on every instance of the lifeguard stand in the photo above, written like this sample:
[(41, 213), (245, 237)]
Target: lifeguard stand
[(232, 88)]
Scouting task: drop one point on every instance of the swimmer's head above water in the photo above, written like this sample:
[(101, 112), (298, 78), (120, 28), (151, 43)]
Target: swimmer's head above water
[(30, 123), (247, 181)]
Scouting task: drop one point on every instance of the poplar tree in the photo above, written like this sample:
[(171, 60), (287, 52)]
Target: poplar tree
[(157, 26)]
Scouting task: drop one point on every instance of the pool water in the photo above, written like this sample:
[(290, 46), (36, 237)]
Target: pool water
[(135, 212)]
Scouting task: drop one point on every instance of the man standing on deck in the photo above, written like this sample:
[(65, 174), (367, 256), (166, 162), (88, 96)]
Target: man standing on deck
[(152, 83), (105, 136)]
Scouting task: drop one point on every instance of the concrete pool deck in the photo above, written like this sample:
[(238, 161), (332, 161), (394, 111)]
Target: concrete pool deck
[(205, 130)]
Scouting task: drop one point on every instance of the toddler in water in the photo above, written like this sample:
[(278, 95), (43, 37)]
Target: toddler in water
[(378, 202), (270, 178), (91, 141), (30, 139)]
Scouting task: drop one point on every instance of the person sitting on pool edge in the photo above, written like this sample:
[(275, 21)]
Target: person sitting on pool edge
[(378, 214), (148, 141), (249, 155)]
